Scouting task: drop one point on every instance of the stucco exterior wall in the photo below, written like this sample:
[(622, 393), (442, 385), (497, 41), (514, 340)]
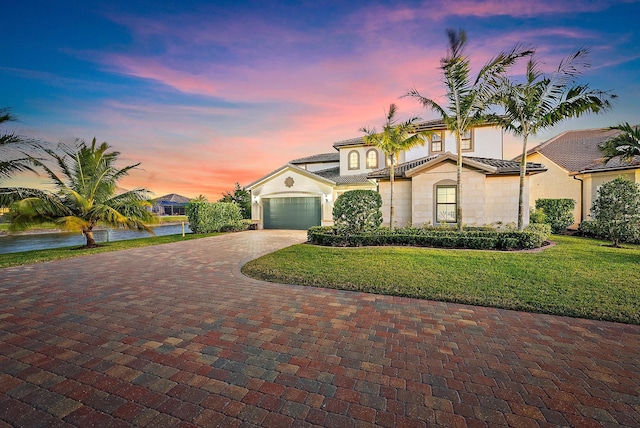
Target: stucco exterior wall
[(501, 199), (555, 183), (485, 199), (319, 166), (401, 202), (487, 143), (594, 180), (362, 151), (473, 190), (303, 186)]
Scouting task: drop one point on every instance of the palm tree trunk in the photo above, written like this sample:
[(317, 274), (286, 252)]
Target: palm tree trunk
[(391, 177), (91, 242), (523, 173), (459, 183)]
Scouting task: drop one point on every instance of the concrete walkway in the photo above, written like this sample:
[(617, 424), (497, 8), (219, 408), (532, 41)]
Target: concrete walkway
[(174, 335)]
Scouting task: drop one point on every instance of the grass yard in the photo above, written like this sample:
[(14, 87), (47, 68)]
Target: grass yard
[(36, 256), (577, 277)]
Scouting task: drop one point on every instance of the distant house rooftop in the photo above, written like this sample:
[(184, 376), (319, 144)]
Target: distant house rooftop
[(171, 204)]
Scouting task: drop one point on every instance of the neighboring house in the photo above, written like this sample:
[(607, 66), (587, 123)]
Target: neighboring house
[(576, 169), (301, 193), (171, 204)]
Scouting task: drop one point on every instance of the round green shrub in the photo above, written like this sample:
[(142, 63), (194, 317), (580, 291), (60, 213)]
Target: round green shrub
[(357, 211)]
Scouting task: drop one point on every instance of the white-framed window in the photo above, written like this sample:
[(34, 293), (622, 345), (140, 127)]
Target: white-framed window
[(446, 206), (436, 142), (354, 159), (372, 158), (466, 141)]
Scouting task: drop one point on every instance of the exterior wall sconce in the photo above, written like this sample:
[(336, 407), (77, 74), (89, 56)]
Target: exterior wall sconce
[(328, 197), (256, 199)]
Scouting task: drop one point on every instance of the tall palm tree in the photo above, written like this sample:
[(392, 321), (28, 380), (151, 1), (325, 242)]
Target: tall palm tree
[(542, 101), (469, 100), (626, 144), (394, 138), (86, 193), (12, 145)]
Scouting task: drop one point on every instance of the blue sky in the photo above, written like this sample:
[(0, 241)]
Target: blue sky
[(205, 94)]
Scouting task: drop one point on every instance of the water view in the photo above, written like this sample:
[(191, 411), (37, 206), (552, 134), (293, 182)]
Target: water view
[(42, 241)]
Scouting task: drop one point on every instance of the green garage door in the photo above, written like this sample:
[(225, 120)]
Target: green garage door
[(291, 213)]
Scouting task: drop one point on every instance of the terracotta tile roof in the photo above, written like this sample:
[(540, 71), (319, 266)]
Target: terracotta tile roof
[(502, 167), (576, 150), (320, 158)]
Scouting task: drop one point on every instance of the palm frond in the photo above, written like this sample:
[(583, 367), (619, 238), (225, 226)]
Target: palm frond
[(626, 144)]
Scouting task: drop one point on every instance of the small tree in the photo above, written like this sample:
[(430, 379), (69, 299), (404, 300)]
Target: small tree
[(357, 211), (616, 211), (241, 197), (557, 212), (85, 193)]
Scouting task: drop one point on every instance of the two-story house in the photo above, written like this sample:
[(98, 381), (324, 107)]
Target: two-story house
[(301, 193)]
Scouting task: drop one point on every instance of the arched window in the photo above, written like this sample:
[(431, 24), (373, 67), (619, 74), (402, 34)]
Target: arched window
[(354, 159), (372, 158)]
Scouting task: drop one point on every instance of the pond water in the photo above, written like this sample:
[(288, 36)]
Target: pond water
[(42, 241)]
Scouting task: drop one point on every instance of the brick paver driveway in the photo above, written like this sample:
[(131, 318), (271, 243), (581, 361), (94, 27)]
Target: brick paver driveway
[(174, 335)]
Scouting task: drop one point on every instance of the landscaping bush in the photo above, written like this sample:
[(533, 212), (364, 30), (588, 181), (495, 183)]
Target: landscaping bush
[(357, 211), (616, 212), (537, 216), (532, 236), (558, 213), (206, 217)]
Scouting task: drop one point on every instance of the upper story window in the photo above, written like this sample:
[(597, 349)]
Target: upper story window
[(466, 141), (436, 142), (372, 158), (354, 159)]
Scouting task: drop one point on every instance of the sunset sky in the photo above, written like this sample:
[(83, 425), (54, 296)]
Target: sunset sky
[(209, 93)]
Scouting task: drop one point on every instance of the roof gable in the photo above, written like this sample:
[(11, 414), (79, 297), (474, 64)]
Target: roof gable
[(487, 165), (290, 167)]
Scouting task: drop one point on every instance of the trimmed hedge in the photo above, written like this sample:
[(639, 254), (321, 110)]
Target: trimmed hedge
[(207, 217), (532, 236)]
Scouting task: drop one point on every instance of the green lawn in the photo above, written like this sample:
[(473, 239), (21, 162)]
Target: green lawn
[(577, 277), (36, 256)]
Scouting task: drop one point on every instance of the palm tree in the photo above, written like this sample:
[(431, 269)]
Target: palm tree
[(394, 138), (85, 195), (12, 145), (469, 100), (200, 198), (626, 144), (541, 102)]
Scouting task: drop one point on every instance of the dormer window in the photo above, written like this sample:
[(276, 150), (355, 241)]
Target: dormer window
[(466, 141), (354, 159), (372, 159)]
